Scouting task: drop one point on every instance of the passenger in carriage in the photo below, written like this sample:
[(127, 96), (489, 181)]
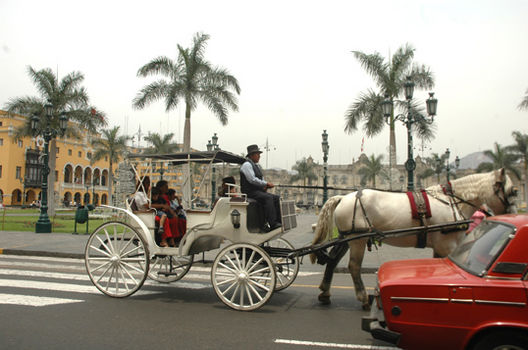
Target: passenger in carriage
[(142, 203), (172, 217), (225, 189), (176, 206), (161, 217), (254, 186)]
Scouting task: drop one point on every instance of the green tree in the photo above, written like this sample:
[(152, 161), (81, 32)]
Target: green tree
[(389, 76), (161, 144), (191, 79), (305, 171), (113, 146), (520, 147), (524, 103), (372, 168), (68, 97), (437, 164), (502, 157)]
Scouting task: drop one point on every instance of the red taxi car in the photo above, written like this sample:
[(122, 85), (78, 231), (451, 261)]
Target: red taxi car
[(474, 299)]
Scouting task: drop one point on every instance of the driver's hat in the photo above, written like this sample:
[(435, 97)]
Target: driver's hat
[(253, 149)]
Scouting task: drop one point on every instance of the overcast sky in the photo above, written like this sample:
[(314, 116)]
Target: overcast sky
[(293, 61)]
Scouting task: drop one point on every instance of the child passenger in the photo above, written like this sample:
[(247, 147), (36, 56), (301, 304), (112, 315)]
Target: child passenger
[(161, 216), (180, 212)]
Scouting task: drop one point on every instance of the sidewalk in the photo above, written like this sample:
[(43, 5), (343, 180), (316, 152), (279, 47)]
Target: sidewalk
[(72, 246)]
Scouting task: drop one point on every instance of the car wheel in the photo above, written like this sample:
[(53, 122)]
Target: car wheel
[(503, 340)]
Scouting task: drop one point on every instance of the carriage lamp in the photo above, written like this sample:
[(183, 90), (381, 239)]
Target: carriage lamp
[(457, 162), (49, 110), (235, 218), (325, 147), (209, 146)]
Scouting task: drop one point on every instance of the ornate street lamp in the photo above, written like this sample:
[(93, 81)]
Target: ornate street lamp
[(408, 120), (447, 153), (213, 146), (43, 224), (325, 147)]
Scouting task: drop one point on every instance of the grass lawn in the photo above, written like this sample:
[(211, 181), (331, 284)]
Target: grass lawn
[(59, 223)]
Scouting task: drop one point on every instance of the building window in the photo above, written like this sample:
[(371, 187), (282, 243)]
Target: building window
[(69, 152), (18, 174), (1, 123), (80, 154), (0, 171), (20, 144), (58, 149), (1, 142), (106, 158), (89, 155), (56, 175)]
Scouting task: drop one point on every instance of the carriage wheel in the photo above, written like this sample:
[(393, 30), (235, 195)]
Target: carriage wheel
[(243, 276), (169, 268), (286, 268), (116, 259)]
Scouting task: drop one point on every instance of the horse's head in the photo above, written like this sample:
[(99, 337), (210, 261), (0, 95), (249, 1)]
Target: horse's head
[(503, 200)]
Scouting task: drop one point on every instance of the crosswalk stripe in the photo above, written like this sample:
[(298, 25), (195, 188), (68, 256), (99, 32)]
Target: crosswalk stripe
[(61, 287), (30, 300), (78, 277)]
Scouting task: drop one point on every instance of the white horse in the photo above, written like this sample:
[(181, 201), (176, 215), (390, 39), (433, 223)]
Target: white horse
[(366, 210)]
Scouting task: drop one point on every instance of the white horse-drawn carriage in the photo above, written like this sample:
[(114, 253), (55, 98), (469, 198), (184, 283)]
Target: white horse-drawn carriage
[(249, 267)]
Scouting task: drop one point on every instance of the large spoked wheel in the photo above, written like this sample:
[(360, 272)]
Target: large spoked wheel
[(169, 268), (116, 259), (286, 268), (243, 276)]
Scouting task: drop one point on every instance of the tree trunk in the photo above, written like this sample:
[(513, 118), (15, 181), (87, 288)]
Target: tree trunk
[(392, 149), (525, 182), (187, 188), (52, 163), (110, 180), (187, 129)]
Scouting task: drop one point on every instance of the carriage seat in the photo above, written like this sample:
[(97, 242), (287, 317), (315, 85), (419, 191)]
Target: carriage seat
[(148, 218), (255, 216)]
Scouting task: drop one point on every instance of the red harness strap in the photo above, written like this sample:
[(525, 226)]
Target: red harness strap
[(422, 208)]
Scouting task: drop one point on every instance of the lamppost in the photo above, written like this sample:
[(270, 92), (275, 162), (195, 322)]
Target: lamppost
[(325, 146), (408, 120), (457, 164), (43, 224), (447, 154), (213, 146), (87, 186)]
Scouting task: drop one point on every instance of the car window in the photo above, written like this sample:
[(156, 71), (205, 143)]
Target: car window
[(482, 246)]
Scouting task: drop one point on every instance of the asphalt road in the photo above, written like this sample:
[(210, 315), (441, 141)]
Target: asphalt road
[(72, 314)]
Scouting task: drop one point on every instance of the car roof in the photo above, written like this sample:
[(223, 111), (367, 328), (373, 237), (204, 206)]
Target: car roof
[(219, 156), (517, 220)]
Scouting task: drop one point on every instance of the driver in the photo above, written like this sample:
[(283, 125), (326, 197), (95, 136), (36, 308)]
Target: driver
[(254, 186)]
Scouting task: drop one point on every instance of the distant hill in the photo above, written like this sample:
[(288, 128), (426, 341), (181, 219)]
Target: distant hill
[(472, 160)]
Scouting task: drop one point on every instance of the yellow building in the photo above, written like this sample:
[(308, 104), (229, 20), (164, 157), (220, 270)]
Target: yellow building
[(76, 180)]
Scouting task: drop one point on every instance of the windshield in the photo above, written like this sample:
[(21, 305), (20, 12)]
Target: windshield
[(481, 247)]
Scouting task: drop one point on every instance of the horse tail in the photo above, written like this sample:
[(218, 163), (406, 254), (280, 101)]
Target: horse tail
[(325, 222)]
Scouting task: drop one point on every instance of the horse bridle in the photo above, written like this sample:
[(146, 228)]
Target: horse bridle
[(500, 192)]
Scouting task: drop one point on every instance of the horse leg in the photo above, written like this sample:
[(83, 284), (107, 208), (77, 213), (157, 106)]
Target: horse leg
[(357, 252), (336, 254)]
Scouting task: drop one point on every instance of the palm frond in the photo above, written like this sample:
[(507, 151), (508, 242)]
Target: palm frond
[(374, 65), (366, 108), (524, 103), (159, 65), (44, 81), (150, 93)]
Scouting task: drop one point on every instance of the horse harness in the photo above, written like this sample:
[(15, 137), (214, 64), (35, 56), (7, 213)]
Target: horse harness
[(420, 208)]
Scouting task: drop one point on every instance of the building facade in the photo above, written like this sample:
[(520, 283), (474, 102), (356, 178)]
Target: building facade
[(77, 180)]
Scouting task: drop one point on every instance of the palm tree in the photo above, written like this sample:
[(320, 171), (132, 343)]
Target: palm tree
[(521, 149), (305, 171), (437, 163), (503, 157), (110, 145), (68, 97), (524, 102), (161, 144), (389, 76), (372, 168), (191, 79)]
